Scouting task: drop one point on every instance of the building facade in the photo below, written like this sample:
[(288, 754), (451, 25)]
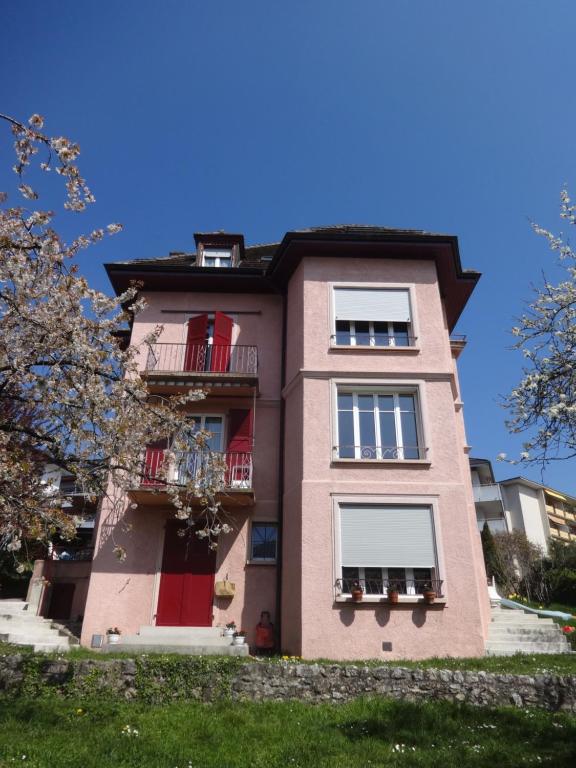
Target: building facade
[(332, 394), (518, 503)]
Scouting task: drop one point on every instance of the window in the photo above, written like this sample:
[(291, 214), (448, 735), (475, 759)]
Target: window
[(194, 463), (377, 425), (384, 546), (263, 543), (372, 317), (217, 257)]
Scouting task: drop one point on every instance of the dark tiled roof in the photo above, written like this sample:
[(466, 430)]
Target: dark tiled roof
[(254, 256)]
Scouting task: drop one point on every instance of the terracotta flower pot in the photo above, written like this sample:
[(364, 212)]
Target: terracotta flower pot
[(429, 596), (357, 594), (393, 597)]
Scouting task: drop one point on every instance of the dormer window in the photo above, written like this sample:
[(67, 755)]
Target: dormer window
[(217, 257), (221, 250)]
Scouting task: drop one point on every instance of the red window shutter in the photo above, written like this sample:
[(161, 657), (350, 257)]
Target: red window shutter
[(195, 355), (153, 462), (222, 340), (239, 456)]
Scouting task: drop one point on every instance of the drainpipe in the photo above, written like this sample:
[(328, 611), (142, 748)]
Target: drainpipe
[(278, 616)]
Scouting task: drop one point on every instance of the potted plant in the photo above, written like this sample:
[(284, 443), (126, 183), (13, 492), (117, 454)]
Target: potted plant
[(113, 635), (357, 592), (239, 638), (229, 629), (429, 594), (393, 593)]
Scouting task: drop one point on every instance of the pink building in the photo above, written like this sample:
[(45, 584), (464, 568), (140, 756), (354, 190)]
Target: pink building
[(332, 392)]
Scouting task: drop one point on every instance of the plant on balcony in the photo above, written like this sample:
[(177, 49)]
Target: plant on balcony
[(393, 593), (428, 593), (69, 394), (357, 592)]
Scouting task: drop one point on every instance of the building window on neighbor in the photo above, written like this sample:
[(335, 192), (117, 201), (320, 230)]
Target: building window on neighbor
[(381, 425), (217, 257), (372, 317), (387, 547), (263, 542)]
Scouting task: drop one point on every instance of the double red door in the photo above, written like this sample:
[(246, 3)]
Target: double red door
[(187, 580)]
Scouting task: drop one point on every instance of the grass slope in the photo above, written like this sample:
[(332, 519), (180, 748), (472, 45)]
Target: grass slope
[(362, 734)]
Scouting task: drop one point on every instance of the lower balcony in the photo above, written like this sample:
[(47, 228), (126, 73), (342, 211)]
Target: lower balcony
[(230, 472)]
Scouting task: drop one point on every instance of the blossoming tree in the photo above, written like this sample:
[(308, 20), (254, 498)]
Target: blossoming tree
[(70, 395), (544, 403)]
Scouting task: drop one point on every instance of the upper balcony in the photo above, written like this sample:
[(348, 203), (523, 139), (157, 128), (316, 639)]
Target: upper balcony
[(486, 493), (217, 368)]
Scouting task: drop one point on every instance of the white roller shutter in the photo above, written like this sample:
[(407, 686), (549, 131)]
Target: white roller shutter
[(383, 304), (387, 536)]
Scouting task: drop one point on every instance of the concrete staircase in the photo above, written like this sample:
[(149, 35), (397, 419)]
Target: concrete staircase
[(514, 631), (19, 627), (196, 641)]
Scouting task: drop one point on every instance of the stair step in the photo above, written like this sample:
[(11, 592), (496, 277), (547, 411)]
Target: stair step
[(509, 649), (186, 632), (50, 647), (13, 606), (182, 648)]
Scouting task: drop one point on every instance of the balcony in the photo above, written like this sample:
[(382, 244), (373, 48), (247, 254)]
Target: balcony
[(369, 453), (487, 493), (215, 367), (230, 471)]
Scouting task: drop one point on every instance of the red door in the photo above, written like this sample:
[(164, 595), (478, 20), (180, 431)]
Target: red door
[(195, 355), (187, 580), (222, 340)]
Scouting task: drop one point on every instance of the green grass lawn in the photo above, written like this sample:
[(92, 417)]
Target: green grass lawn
[(362, 734)]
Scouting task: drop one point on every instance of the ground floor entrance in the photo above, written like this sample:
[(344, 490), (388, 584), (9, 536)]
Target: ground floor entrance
[(187, 580)]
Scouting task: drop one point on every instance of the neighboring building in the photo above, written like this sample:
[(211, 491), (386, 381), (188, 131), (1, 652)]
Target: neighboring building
[(59, 583), (524, 505), (332, 391)]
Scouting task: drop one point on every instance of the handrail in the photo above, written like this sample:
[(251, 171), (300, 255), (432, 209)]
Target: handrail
[(233, 468), (206, 358), (376, 452)]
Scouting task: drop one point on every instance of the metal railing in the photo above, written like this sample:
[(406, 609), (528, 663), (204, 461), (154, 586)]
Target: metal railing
[(76, 554), (230, 469), (376, 452), (205, 358), (378, 340), (381, 587)]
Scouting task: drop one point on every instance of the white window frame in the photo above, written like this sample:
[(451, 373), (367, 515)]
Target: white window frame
[(413, 325), (409, 577), (220, 261), (408, 500), (374, 390)]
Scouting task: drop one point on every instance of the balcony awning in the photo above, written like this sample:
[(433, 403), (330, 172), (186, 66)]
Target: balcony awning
[(556, 495), (556, 519)]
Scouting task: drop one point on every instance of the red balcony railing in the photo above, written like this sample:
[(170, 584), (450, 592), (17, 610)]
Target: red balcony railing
[(207, 358), (231, 469)]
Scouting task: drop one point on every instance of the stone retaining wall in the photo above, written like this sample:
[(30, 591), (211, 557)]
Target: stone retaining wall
[(165, 679)]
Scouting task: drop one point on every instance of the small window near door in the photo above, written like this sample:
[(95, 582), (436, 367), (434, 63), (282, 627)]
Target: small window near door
[(263, 542)]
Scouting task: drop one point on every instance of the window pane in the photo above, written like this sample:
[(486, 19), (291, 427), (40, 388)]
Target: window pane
[(401, 334), (366, 403), (409, 435), (385, 402), (388, 435), (381, 338), (349, 576), (264, 538), (213, 424), (397, 578), (208, 262), (406, 402), (373, 577), (422, 576), (343, 332), (345, 435), (345, 401), (367, 434), (362, 333)]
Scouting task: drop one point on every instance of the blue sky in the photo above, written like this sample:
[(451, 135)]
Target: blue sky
[(260, 117)]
